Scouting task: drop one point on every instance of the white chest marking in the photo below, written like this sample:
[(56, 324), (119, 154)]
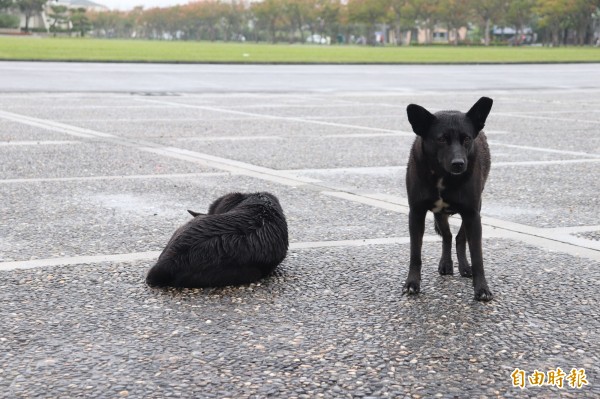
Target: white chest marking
[(439, 206)]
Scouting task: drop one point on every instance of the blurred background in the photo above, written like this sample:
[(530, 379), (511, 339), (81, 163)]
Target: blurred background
[(322, 22)]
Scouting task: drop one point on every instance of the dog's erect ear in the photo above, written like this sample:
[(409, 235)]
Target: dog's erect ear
[(419, 118), (479, 113), (194, 214)]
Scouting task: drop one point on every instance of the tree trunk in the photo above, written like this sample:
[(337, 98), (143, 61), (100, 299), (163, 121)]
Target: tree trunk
[(488, 22), (555, 41), (273, 33), (398, 34)]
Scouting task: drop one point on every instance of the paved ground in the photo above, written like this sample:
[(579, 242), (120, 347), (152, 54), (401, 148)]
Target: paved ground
[(92, 185), (177, 78)]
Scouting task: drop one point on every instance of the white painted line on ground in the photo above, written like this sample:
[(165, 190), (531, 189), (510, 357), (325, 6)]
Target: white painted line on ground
[(229, 138), (291, 137), (38, 142), (332, 105), (353, 116), (378, 170), (573, 239), (358, 243), (152, 120), (122, 177), (541, 163), (153, 255), (557, 244), (497, 132), (546, 118), (588, 111), (367, 200), (491, 226), (361, 135), (526, 147), (396, 204), (232, 166), (274, 117), (574, 229), (52, 125), (78, 260), (351, 169)]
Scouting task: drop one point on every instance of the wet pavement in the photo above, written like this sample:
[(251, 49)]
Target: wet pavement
[(93, 184)]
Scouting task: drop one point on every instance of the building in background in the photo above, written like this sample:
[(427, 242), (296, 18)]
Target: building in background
[(40, 20)]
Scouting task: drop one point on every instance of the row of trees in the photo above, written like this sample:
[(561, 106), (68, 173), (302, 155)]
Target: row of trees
[(63, 18), (295, 20), (556, 21)]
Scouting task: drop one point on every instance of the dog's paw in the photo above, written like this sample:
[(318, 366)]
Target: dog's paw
[(483, 294), (465, 270), (411, 288), (446, 267)]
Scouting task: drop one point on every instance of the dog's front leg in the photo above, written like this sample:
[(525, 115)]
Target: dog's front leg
[(443, 228), (472, 223), (416, 226)]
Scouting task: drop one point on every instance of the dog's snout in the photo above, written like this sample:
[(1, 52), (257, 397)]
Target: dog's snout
[(458, 165)]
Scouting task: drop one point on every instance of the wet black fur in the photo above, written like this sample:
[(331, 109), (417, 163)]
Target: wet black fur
[(451, 150), (241, 240)]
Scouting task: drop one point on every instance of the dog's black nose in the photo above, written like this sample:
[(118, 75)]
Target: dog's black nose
[(458, 166)]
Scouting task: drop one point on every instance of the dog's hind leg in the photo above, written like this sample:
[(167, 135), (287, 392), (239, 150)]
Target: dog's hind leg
[(443, 228), (461, 252), (472, 223)]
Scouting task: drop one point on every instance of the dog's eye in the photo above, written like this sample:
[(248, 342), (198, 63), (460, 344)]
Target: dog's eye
[(467, 141), (441, 139)]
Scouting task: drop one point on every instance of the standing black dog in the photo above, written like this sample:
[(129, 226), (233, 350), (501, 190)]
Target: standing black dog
[(447, 169), (241, 239)]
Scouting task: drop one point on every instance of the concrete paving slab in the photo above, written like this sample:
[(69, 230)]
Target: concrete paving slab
[(309, 152), (332, 151), (566, 199), (232, 126), (592, 235), (131, 112), (384, 180), (392, 122), (544, 195), (85, 158), (591, 115), (549, 99), (330, 322), (320, 109), (560, 136), (13, 131), (93, 217)]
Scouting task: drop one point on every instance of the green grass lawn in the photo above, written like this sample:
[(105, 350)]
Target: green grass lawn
[(76, 49)]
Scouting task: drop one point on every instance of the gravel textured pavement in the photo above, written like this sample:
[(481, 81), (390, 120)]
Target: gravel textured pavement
[(92, 185)]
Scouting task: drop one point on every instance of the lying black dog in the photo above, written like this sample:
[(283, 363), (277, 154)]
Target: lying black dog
[(447, 169), (241, 240)]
